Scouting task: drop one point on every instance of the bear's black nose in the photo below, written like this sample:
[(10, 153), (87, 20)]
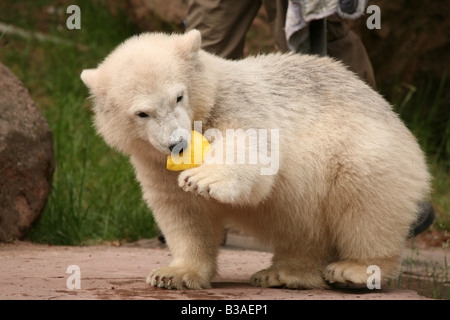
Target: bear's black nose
[(178, 147)]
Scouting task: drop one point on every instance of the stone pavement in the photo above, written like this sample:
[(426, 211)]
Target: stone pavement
[(40, 272)]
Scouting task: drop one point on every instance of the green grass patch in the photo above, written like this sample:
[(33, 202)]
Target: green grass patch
[(428, 276), (425, 109), (95, 196)]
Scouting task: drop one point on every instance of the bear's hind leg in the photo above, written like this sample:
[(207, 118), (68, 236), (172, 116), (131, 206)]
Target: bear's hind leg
[(363, 239)]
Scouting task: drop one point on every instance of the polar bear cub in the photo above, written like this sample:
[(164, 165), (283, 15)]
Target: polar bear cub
[(348, 179)]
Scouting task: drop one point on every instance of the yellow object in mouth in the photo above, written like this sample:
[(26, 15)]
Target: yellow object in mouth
[(191, 157)]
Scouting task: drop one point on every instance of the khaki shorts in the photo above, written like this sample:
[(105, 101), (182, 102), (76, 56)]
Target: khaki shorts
[(224, 24)]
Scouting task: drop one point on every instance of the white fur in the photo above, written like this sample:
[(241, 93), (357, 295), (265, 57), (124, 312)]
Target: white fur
[(350, 173)]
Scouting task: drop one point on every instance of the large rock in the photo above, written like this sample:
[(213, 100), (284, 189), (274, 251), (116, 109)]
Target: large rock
[(26, 158)]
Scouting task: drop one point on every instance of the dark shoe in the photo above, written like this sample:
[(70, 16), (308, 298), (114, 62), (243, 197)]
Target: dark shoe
[(161, 237), (425, 218)]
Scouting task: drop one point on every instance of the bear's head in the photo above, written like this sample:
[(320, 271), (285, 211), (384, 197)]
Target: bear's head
[(141, 91)]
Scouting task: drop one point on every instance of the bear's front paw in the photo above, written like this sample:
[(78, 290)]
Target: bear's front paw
[(211, 182), (177, 278)]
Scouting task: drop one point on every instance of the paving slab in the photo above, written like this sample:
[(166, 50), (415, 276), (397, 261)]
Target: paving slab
[(40, 272)]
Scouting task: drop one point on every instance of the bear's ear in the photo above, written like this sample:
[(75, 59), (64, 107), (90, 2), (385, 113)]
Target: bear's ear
[(89, 77), (190, 43)]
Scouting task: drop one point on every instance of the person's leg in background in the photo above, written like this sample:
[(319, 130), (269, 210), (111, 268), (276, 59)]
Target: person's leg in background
[(342, 43), (276, 16), (223, 24)]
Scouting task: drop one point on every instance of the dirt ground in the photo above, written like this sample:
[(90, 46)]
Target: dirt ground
[(40, 272)]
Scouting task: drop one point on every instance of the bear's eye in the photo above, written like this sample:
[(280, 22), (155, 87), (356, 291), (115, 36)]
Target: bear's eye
[(142, 115), (179, 98)]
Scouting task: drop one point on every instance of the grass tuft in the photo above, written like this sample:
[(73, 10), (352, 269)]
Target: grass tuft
[(425, 111)]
